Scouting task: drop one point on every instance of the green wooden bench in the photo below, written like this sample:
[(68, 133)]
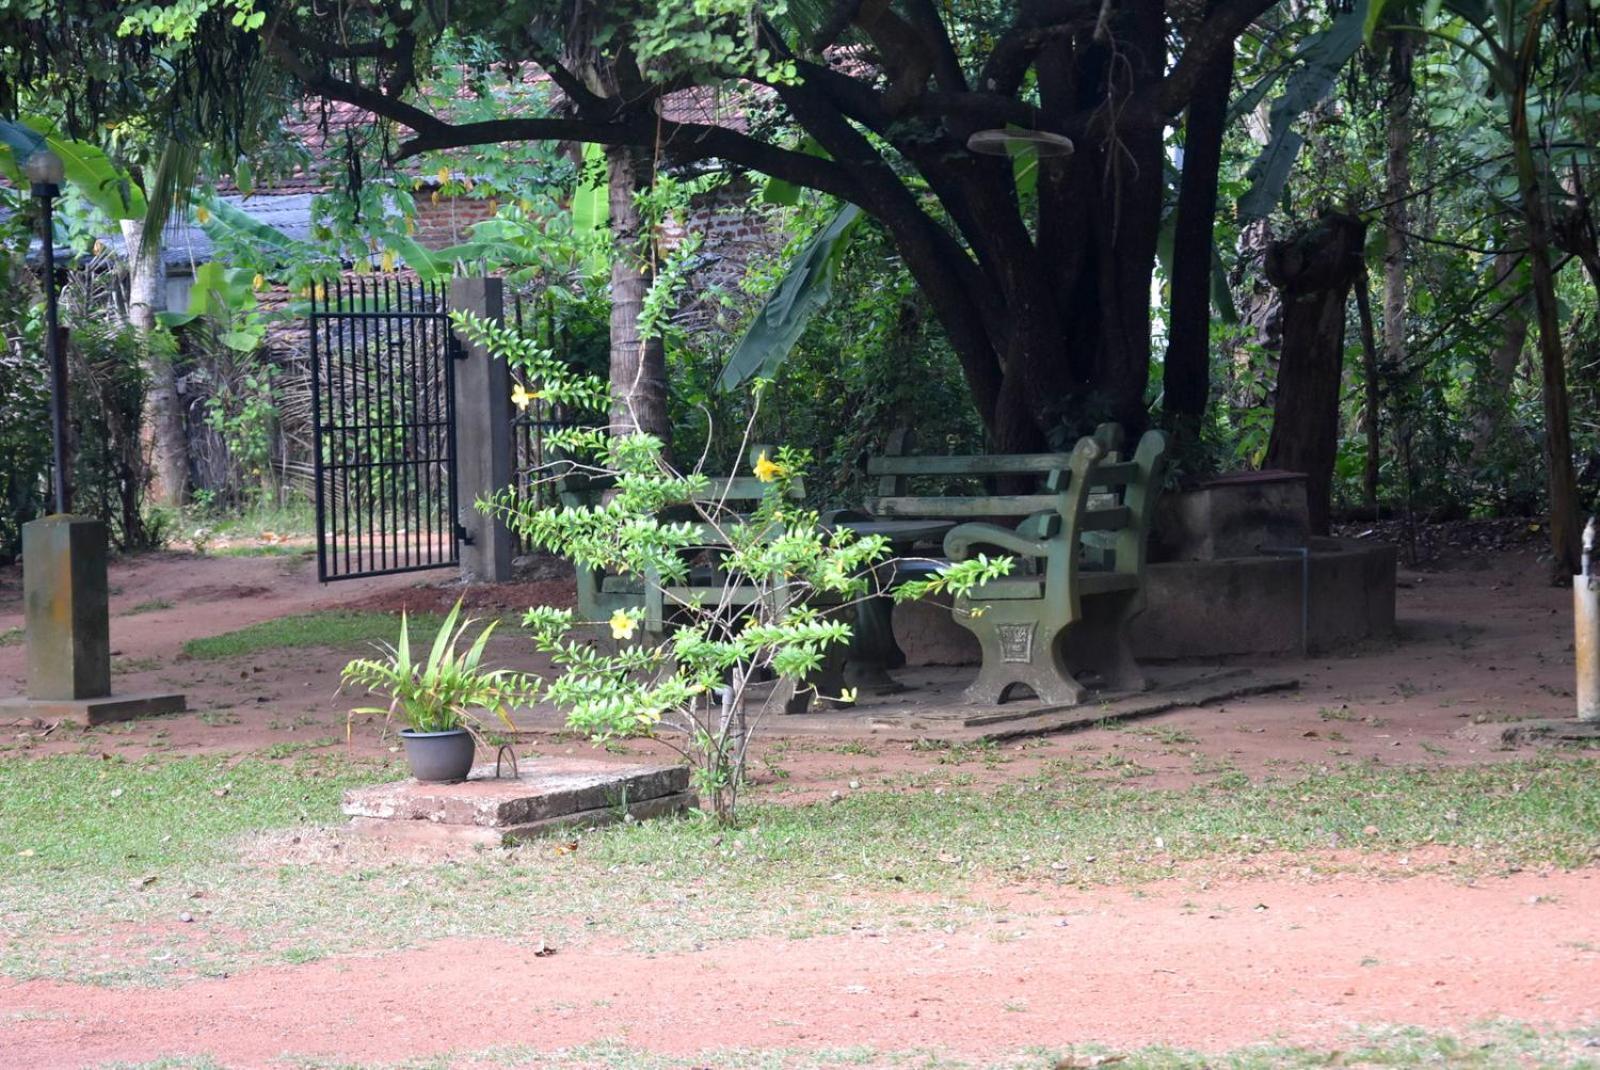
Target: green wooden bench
[(601, 594), (1078, 538)]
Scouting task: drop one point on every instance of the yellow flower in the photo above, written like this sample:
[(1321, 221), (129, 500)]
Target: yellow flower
[(444, 175), (388, 260), (258, 282), (622, 625), (521, 396), (203, 214), (766, 470), (434, 196), (321, 292)]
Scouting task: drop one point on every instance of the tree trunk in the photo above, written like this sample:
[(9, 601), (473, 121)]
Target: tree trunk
[(1563, 487), (1314, 270), (638, 364), (1396, 241), (1397, 170), (1494, 390), (1373, 398), (1186, 372), (165, 441), (1052, 324)]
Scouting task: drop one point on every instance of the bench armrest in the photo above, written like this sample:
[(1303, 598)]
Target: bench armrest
[(960, 540)]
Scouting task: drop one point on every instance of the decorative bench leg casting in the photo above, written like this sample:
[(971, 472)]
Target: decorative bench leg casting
[(1061, 616), (1098, 641), (1019, 648)]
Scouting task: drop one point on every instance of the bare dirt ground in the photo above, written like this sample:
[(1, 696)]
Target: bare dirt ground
[(1208, 963), (1206, 970)]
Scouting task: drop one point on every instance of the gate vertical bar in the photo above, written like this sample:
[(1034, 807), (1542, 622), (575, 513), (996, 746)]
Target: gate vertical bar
[(316, 447)]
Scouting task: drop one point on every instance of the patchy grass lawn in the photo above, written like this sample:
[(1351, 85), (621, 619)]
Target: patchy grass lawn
[(331, 628), (242, 847)]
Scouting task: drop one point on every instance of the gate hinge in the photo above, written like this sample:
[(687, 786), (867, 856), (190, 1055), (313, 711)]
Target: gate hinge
[(463, 536)]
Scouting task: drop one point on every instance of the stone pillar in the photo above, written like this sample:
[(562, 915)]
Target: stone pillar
[(483, 437), (1586, 647), (66, 605)]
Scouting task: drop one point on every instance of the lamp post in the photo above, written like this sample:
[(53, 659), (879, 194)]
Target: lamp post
[(45, 173), (64, 590)]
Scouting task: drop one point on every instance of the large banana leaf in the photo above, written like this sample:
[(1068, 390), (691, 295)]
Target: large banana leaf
[(229, 220), (1318, 63), (88, 169), (439, 264), (591, 201), (783, 318), (217, 291)]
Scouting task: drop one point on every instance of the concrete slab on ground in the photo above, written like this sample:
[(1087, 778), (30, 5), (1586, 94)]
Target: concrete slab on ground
[(89, 712), (932, 708), (547, 795), (1553, 733)]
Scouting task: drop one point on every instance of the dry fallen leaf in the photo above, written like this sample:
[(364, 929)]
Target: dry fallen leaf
[(1088, 1062), (543, 951)]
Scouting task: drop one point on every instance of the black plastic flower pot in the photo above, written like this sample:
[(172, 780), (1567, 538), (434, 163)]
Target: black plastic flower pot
[(439, 757)]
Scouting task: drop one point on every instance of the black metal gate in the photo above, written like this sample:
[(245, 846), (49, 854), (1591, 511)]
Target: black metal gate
[(383, 420)]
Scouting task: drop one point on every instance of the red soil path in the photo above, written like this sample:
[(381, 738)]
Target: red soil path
[(1212, 969)]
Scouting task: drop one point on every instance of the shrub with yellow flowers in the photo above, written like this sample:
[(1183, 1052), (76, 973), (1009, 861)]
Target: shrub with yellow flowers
[(703, 675)]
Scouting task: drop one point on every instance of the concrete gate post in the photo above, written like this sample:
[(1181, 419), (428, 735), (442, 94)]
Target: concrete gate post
[(482, 437), (67, 611)]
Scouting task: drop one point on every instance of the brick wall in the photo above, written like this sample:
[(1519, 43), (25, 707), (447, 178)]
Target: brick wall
[(449, 220), (734, 234)]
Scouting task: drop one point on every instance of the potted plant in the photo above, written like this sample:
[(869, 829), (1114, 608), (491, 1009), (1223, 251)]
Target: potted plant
[(443, 701)]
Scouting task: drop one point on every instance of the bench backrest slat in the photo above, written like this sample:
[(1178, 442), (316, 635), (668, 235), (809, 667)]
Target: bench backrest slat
[(914, 506), (1098, 495), (1116, 474), (982, 464)]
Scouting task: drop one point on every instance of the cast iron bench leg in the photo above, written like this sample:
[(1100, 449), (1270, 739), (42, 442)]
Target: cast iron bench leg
[(1019, 649), (1098, 641)]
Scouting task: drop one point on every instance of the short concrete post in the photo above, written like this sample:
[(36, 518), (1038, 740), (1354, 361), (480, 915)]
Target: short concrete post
[(1586, 622), (66, 606), (482, 437), (66, 602)]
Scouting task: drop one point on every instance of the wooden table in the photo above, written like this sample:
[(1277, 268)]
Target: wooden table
[(873, 650)]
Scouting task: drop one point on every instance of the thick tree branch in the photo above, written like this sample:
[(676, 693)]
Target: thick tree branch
[(1166, 98), (1034, 28), (681, 141), (833, 27), (963, 297), (946, 64)]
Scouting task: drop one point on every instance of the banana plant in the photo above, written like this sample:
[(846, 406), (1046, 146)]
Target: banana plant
[(1308, 78), (88, 169), (782, 318)]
